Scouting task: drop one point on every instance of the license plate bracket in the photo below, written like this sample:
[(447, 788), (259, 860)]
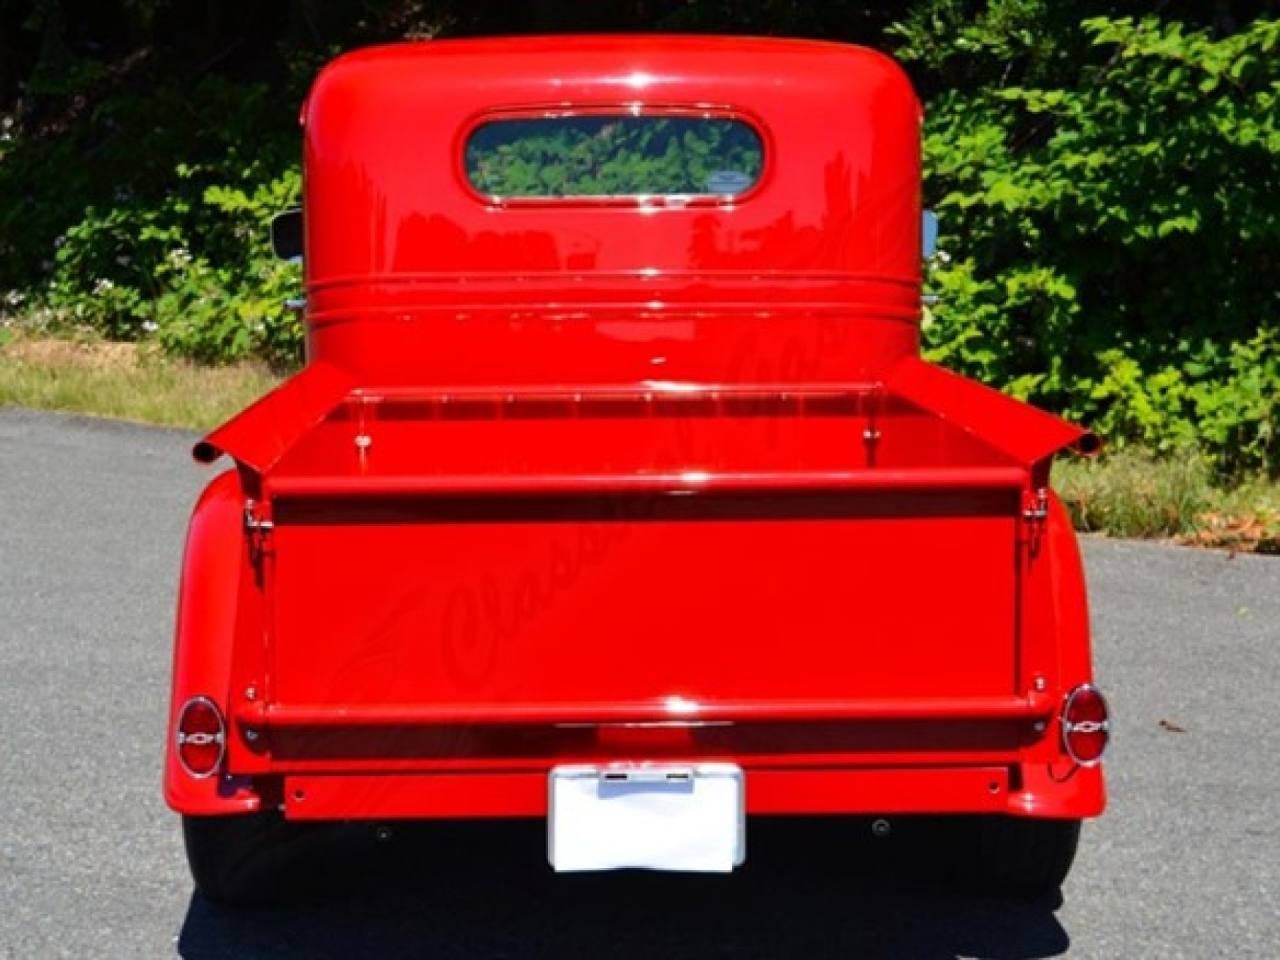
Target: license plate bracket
[(679, 817)]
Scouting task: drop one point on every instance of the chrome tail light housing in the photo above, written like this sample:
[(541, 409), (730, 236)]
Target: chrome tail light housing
[(200, 737), (1086, 725)]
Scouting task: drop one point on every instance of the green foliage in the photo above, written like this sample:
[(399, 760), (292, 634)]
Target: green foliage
[(230, 307), (197, 274), (178, 253), (850, 20), (1115, 236)]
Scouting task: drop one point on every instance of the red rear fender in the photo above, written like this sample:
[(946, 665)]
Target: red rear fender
[(214, 575)]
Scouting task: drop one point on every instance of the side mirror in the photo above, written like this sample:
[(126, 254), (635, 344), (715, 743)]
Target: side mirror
[(929, 234), (286, 235)]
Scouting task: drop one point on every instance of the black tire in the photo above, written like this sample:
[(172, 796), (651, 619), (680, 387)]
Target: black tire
[(238, 860), (1017, 857)]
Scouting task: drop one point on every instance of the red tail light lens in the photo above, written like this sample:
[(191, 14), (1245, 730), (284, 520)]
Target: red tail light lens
[(201, 737), (1086, 725)]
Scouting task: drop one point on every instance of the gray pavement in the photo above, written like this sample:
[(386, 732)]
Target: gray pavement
[(1183, 865)]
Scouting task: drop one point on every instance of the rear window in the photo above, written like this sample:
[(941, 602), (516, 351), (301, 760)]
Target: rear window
[(614, 156)]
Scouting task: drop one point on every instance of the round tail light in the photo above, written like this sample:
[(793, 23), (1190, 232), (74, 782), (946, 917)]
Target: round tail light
[(1086, 725), (201, 737)]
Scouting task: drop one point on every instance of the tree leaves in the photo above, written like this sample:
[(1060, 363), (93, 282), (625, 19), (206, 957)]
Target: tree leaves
[(1109, 227)]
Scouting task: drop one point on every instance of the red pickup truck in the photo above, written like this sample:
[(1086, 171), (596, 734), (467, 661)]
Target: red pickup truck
[(615, 491)]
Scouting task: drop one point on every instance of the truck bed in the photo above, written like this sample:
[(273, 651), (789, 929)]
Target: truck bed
[(570, 557)]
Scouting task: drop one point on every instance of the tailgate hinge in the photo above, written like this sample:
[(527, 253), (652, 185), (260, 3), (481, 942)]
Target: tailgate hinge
[(258, 527)]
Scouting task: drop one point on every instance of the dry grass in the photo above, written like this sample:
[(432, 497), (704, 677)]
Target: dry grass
[(125, 381), (1133, 494)]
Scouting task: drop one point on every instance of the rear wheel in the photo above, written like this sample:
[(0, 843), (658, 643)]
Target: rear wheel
[(239, 859), (1017, 857)]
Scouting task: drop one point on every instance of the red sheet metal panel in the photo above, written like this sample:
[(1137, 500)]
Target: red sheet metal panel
[(1025, 434), (260, 435), (844, 791), (667, 600)]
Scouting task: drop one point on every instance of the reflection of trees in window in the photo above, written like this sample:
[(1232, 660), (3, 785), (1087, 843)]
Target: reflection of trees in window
[(605, 156)]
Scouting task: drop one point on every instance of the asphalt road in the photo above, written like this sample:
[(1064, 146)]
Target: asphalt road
[(1185, 864)]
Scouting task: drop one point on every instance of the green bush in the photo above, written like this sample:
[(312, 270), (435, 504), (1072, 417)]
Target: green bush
[(217, 309), (196, 275), (180, 254), (1115, 241)]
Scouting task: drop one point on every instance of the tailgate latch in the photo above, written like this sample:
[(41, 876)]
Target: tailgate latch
[(1035, 506), (1035, 511), (258, 528)]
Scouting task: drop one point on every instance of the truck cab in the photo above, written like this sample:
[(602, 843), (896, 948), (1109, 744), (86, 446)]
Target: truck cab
[(615, 492)]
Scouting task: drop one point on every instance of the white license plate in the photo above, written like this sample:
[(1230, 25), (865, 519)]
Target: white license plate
[(651, 816)]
